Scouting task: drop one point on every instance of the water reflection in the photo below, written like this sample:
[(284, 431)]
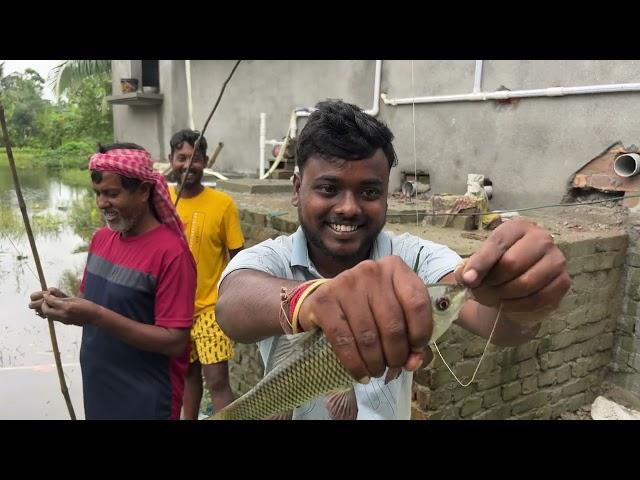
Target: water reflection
[(61, 217)]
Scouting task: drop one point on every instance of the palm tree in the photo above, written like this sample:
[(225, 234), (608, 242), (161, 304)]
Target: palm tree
[(69, 73)]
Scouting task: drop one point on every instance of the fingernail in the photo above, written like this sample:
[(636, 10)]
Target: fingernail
[(415, 367), (470, 276), (364, 380)]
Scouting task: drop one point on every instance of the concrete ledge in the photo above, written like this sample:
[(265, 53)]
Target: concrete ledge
[(248, 185)]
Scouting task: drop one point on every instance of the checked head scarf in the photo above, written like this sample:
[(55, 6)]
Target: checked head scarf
[(138, 164)]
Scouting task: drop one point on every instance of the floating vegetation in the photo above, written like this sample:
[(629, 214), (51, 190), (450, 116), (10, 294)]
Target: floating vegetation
[(81, 248), (70, 281), (42, 223)]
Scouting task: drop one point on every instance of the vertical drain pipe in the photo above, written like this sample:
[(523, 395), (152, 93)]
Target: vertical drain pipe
[(263, 139), (187, 71), (477, 80)]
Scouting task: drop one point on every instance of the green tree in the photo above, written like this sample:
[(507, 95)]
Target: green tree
[(93, 118), (21, 95), (70, 74)]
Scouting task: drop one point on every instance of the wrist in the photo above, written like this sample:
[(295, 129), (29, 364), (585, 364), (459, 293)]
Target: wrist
[(93, 314), (306, 318), (309, 319)]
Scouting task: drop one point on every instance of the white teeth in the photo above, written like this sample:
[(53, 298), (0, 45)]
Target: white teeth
[(344, 228)]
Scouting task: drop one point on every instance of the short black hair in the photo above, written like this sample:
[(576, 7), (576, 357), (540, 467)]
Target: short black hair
[(342, 130), (189, 136), (128, 183)]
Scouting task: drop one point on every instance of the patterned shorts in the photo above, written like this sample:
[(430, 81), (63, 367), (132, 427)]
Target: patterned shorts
[(209, 344)]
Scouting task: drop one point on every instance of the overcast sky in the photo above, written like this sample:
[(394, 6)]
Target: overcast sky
[(43, 67)]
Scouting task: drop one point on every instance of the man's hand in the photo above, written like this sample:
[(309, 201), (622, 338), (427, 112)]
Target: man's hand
[(68, 310), (518, 266), (37, 298), (375, 315)]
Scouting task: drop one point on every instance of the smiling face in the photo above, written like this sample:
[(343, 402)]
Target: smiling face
[(179, 160), (342, 206), (123, 211)]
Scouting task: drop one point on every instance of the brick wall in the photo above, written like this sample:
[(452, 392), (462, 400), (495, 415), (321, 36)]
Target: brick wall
[(246, 367), (626, 362), (558, 371)]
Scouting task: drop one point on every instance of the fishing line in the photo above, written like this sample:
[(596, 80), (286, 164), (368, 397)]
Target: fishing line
[(415, 159), (578, 204), (481, 358), (20, 255)]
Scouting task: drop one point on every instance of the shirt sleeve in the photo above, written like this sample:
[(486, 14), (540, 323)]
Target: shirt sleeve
[(232, 230), (263, 257), (433, 259), (175, 294), (436, 261)]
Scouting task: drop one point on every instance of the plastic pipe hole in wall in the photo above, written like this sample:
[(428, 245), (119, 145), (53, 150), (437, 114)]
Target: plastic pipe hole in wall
[(627, 165)]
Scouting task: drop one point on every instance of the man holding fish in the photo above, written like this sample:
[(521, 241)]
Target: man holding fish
[(361, 290)]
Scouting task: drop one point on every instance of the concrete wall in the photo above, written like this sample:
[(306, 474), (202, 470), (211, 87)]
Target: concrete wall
[(529, 148)]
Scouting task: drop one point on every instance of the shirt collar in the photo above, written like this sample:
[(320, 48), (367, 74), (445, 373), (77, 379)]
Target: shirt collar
[(382, 247)]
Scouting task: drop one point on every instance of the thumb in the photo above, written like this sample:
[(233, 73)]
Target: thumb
[(51, 300), (56, 292)]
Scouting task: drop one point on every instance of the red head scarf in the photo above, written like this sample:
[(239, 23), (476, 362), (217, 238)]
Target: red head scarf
[(138, 164)]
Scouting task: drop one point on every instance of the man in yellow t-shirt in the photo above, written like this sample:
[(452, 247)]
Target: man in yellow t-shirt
[(212, 229)]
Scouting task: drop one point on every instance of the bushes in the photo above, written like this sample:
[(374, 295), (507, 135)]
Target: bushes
[(25, 157), (73, 154), (84, 216)]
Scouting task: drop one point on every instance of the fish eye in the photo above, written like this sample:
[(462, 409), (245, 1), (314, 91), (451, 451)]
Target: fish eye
[(442, 303)]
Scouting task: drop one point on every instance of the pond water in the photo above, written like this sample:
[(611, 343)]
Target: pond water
[(29, 387)]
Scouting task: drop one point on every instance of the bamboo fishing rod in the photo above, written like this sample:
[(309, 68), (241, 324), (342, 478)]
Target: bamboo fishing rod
[(206, 124), (36, 258)]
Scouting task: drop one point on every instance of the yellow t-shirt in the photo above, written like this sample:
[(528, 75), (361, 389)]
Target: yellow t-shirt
[(212, 225)]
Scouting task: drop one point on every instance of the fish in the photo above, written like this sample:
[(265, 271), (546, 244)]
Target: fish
[(302, 367)]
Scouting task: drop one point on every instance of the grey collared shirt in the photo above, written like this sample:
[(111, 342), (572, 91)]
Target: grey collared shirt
[(288, 257)]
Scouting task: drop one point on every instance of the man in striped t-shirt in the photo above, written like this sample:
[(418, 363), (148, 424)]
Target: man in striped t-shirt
[(137, 294)]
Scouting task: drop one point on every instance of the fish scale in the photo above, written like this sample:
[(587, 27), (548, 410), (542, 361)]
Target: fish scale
[(311, 372), (308, 368)]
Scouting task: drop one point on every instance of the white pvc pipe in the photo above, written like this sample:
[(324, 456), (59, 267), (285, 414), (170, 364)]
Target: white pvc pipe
[(187, 70), (373, 111), (506, 94), (376, 90), (263, 136), (627, 165), (305, 112), (477, 78)]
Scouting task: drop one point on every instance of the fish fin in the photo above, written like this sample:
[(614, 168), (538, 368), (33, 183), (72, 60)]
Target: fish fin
[(281, 416), (342, 405), (285, 345)]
